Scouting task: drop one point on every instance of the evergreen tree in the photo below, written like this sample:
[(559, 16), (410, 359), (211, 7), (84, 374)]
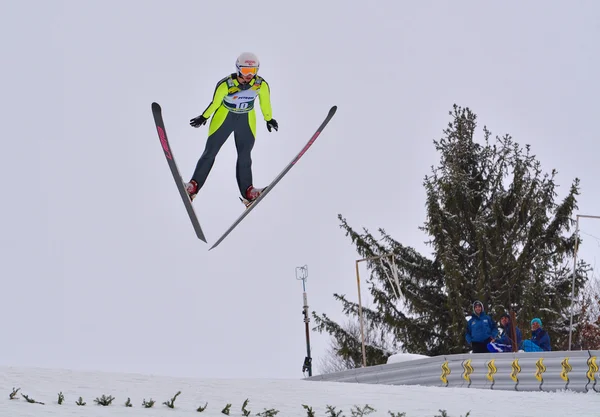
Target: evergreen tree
[(587, 329), (497, 235)]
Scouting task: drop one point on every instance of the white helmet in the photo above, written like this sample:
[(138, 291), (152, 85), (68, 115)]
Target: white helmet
[(247, 63)]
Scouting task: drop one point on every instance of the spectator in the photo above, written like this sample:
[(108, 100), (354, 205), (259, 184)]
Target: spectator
[(505, 343), (540, 341), (481, 329)]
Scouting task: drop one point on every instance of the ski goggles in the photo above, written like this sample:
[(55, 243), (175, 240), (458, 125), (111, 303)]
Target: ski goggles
[(248, 70)]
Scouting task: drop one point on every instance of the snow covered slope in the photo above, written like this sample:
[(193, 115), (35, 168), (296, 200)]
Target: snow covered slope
[(286, 396)]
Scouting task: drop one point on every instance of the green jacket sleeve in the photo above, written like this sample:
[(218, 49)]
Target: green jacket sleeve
[(218, 96), (264, 95)]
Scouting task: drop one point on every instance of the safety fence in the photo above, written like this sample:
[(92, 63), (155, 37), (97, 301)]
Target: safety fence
[(523, 371)]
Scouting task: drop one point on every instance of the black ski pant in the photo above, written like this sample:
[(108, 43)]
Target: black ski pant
[(480, 347), (238, 124)]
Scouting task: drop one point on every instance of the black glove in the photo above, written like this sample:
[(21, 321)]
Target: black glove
[(198, 121), (272, 124)]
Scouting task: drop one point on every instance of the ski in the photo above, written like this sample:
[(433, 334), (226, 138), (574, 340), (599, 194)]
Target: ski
[(164, 141), (269, 187)]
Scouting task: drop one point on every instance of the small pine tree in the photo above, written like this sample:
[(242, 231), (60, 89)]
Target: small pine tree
[(13, 394), (226, 409), (245, 412), (332, 413), (104, 400), (359, 412), (171, 403), (61, 398), (445, 414), (201, 409), (80, 402), (309, 411), (30, 400), (148, 404), (268, 413)]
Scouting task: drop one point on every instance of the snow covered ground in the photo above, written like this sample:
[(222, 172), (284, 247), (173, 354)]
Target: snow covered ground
[(403, 357), (287, 396)]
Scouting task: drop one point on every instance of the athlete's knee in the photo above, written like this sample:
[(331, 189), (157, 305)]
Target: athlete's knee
[(213, 145)]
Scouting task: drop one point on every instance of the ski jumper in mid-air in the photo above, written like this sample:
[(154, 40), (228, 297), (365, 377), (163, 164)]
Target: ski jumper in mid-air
[(232, 111)]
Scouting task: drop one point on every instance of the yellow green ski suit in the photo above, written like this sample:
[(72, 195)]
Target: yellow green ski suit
[(232, 110)]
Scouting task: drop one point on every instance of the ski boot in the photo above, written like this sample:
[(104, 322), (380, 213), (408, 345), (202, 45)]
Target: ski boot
[(192, 189), (251, 195)]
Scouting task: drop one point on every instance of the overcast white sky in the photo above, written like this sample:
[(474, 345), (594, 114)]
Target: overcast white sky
[(100, 266)]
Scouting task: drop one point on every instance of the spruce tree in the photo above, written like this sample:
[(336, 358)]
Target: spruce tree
[(497, 235)]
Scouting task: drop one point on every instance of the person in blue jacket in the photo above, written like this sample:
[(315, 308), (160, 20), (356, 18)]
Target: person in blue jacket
[(505, 343), (481, 329), (540, 340)]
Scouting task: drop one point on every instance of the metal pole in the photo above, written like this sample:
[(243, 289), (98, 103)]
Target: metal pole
[(573, 281), (574, 269), (360, 314), (307, 366), (513, 330), (362, 332)]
